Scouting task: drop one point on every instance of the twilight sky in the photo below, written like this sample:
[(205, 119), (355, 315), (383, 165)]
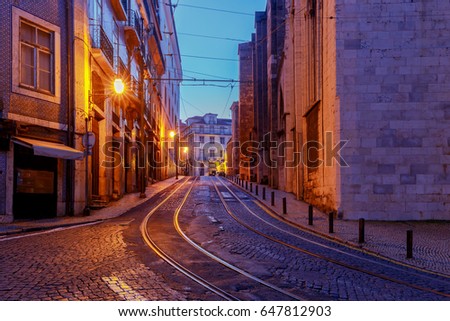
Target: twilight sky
[(195, 27)]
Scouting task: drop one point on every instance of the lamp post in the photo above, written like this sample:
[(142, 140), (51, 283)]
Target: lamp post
[(186, 150), (89, 141), (173, 134)]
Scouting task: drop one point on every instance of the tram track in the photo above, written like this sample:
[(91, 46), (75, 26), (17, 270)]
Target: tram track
[(188, 272), (329, 258)]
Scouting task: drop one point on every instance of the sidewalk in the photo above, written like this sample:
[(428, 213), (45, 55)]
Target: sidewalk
[(431, 240), (114, 209)]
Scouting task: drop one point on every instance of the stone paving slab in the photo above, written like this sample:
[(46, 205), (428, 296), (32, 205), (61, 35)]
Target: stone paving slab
[(114, 209), (431, 239)]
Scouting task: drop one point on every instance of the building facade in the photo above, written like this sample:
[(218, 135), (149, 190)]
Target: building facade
[(233, 145), (206, 138), (70, 142), (363, 109), (246, 108), (36, 155)]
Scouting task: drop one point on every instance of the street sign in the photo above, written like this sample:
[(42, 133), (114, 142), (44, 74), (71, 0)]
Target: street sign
[(88, 140)]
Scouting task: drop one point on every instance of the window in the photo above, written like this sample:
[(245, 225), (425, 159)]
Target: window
[(36, 67), (36, 58), (212, 139), (212, 153), (202, 139), (222, 140)]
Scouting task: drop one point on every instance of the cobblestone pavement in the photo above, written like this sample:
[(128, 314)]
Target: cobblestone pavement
[(107, 261), (297, 271), (431, 240), (114, 209), (88, 263), (102, 261)]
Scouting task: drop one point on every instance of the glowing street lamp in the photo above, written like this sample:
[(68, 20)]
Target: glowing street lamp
[(174, 135), (186, 150), (119, 86), (89, 138)]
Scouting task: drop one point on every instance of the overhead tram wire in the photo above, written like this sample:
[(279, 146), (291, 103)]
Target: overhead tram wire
[(192, 105), (228, 100), (210, 37), (209, 58), (203, 80), (214, 9), (203, 74)]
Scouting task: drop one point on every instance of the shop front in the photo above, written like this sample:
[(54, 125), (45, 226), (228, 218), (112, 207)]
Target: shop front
[(38, 177)]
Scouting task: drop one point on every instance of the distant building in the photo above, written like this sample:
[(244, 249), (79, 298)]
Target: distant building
[(206, 138)]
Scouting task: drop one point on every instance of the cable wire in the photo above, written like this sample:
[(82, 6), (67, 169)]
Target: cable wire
[(216, 9)]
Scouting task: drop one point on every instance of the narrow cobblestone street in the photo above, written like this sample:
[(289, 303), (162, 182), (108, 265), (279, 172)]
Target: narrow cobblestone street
[(111, 261)]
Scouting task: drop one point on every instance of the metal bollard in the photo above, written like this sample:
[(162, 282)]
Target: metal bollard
[(409, 244), (264, 193), (256, 190), (310, 214), (331, 222), (284, 205), (246, 185), (272, 198), (251, 187), (361, 230)]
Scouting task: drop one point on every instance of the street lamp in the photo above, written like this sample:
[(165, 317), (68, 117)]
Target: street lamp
[(89, 140), (119, 86), (174, 135), (186, 150)]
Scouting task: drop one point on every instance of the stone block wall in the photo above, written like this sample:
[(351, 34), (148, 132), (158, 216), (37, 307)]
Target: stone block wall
[(246, 97), (393, 84)]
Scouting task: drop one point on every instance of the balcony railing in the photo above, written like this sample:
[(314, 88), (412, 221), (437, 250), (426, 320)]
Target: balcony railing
[(124, 4), (134, 86), (134, 26), (101, 41), (120, 8), (156, 51), (123, 70), (116, 118)]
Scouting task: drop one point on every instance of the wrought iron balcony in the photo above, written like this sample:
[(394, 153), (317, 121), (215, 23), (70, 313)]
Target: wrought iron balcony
[(134, 86), (133, 28), (156, 52), (120, 8), (101, 41)]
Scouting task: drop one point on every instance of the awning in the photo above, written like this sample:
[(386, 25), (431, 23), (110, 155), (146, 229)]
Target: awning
[(48, 149)]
